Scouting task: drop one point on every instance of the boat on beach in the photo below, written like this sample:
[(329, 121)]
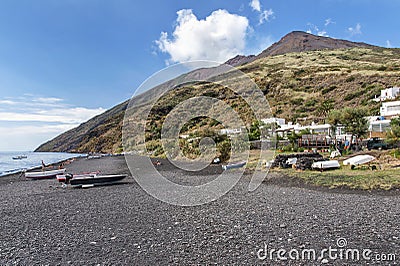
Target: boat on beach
[(234, 165), (326, 165), (89, 180), (359, 160), (44, 174)]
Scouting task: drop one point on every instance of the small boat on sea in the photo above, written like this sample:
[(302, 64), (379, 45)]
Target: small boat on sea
[(234, 165), (44, 174), (89, 180), (19, 157)]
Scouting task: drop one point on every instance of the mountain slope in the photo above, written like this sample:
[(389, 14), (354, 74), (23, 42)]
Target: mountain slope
[(298, 41), (294, 74)]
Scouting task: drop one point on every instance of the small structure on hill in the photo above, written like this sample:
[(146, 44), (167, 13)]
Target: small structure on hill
[(388, 94)]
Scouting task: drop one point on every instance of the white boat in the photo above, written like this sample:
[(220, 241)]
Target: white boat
[(359, 159), (325, 165), (234, 165), (291, 161), (44, 174)]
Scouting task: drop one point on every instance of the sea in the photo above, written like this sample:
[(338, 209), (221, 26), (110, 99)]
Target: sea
[(34, 159)]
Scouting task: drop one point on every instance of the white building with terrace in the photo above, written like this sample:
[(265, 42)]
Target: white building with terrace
[(390, 109)]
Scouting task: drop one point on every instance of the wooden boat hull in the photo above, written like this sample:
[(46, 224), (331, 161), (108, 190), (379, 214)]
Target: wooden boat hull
[(44, 174)]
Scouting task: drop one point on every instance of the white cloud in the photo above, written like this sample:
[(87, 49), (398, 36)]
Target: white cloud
[(313, 29), (255, 4), (388, 44), (322, 33), (218, 37), (265, 16), (329, 21), (355, 30), (8, 102), (29, 137), (47, 100), (65, 116), (26, 122)]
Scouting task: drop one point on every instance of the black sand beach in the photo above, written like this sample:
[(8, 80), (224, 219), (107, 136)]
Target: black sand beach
[(44, 224)]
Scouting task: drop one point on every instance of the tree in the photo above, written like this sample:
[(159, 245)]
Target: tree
[(293, 137), (393, 134), (334, 119), (353, 119), (324, 108), (255, 130)]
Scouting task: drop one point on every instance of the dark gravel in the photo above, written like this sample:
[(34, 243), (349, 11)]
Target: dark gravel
[(42, 223)]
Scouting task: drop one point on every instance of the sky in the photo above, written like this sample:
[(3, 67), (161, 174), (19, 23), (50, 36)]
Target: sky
[(63, 62)]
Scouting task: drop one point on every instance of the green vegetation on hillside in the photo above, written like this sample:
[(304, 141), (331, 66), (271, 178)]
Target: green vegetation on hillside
[(300, 87)]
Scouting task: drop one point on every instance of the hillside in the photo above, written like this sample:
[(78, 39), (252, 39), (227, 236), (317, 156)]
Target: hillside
[(296, 74), (298, 41)]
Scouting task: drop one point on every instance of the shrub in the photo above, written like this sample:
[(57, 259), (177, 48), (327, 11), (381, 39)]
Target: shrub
[(297, 101)]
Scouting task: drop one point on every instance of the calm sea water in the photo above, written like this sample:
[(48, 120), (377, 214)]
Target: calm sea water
[(8, 165)]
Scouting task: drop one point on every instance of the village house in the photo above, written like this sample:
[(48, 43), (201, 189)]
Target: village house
[(390, 109), (388, 94), (378, 125)]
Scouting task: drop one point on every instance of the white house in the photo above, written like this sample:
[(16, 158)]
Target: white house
[(378, 128), (390, 109), (231, 131), (278, 121), (388, 94)]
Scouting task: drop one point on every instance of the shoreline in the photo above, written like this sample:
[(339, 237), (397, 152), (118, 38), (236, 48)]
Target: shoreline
[(54, 164)]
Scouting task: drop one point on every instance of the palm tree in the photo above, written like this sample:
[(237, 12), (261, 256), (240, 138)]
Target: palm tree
[(324, 108)]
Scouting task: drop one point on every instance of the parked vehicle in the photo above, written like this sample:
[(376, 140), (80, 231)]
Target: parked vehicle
[(377, 144)]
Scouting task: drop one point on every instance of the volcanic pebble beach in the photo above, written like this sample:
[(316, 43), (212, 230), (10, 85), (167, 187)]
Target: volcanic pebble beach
[(43, 223)]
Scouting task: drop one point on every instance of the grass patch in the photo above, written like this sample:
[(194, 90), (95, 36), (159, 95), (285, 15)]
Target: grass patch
[(346, 178)]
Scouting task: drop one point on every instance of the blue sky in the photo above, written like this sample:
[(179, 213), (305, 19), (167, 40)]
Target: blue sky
[(62, 62)]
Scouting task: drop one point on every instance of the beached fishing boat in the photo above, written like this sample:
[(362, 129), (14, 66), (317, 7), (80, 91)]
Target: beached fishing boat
[(44, 174), (90, 179), (20, 157), (359, 160), (64, 178), (234, 165), (326, 165)]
